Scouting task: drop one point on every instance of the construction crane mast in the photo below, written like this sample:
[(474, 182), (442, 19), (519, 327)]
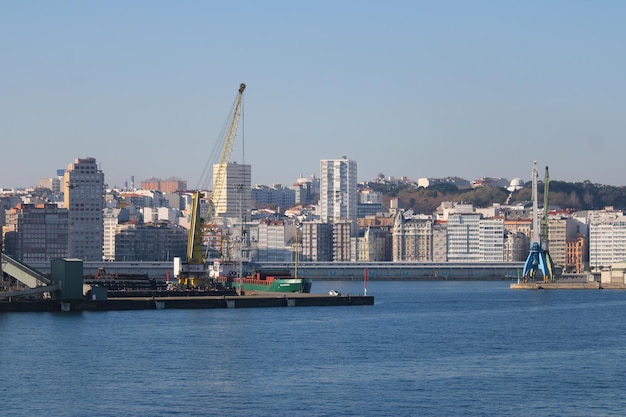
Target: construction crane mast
[(539, 259), (194, 273)]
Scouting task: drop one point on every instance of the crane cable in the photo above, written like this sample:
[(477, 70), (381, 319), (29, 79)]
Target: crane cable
[(205, 180)]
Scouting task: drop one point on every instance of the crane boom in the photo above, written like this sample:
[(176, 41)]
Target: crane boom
[(219, 177), (544, 216), (195, 259), (535, 231)]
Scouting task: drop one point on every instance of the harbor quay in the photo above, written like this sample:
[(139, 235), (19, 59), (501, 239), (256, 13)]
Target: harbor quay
[(65, 289), (258, 300), (565, 285)]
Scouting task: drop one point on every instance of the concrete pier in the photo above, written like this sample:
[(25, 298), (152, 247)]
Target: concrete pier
[(258, 300), (567, 286)]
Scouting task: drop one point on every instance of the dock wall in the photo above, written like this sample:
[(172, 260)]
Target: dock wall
[(567, 286), (200, 302)]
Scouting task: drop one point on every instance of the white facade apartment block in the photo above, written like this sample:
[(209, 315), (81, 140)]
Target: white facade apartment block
[(155, 214), (234, 199), (149, 214), (607, 238), (84, 192), (491, 240), (168, 214), (338, 191), (275, 241), (370, 197), (464, 238), (111, 220), (448, 208)]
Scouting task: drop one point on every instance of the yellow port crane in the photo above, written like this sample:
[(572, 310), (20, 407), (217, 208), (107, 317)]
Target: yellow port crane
[(194, 272)]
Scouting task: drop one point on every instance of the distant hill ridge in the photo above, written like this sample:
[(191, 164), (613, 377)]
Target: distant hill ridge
[(565, 195)]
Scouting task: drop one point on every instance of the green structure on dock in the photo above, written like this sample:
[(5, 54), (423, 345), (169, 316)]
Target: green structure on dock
[(68, 274)]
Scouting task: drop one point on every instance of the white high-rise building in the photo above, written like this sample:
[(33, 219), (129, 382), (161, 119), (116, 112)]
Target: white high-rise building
[(338, 192), (491, 239), (464, 237), (112, 217), (233, 199), (83, 184), (607, 238)]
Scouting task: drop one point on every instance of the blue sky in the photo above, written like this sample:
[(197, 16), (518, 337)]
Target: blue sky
[(405, 88)]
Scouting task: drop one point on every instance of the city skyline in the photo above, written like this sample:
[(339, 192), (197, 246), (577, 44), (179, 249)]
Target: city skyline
[(416, 89), (129, 185)]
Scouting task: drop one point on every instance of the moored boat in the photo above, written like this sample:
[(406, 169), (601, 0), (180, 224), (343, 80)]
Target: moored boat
[(233, 276)]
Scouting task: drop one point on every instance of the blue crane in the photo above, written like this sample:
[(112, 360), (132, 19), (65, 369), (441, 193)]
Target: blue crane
[(539, 259)]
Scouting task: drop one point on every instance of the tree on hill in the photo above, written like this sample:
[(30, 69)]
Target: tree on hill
[(483, 196), (581, 196), (566, 195)]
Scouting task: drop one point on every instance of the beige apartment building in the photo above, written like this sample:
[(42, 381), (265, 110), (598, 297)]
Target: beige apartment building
[(83, 183)]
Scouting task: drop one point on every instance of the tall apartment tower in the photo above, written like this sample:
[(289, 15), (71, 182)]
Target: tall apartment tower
[(234, 199), (338, 192), (83, 184)]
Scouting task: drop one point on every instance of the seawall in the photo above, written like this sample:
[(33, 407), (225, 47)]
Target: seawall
[(199, 302), (567, 286)]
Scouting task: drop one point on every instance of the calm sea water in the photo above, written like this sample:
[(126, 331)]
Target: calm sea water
[(424, 349)]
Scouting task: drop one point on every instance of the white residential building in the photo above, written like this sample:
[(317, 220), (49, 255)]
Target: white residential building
[(338, 191), (275, 241), (491, 240), (154, 215), (607, 238), (112, 217), (464, 237)]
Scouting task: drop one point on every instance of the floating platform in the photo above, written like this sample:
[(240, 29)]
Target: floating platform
[(568, 286), (258, 300)]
